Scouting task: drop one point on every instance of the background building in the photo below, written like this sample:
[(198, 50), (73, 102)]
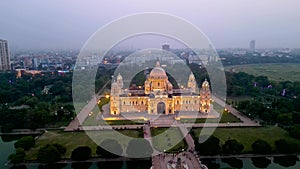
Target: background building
[(166, 47), (4, 56), (252, 45)]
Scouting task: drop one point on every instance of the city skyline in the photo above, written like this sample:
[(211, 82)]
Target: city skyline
[(230, 24)]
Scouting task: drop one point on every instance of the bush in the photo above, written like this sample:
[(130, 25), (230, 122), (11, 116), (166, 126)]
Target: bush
[(81, 153), (210, 147), (261, 147), (61, 149), (139, 148), (17, 157), (282, 146), (295, 132), (25, 142), (109, 148), (232, 147), (48, 154)]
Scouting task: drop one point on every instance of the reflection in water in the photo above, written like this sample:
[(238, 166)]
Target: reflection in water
[(81, 165), (116, 164), (18, 167), (260, 162), (286, 161), (233, 162), (139, 164), (211, 163), (52, 166)]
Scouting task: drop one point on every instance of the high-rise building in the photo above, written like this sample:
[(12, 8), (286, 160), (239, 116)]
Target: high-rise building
[(166, 47), (252, 45), (4, 56)]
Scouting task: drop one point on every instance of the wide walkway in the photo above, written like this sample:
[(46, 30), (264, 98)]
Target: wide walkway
[(186, 159)]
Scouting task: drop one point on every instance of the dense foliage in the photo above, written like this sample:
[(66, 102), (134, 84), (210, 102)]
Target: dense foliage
[(139, 148), (109, 148), (261, 147), (232, 147), (210, 147), (18, 156), (81, 153), (25, 143), (50, 153)]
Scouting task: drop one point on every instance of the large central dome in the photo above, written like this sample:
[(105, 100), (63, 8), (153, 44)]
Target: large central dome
[(158, 71)]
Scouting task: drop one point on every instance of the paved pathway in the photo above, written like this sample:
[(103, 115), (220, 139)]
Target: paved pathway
[(246, 120), (80, 117)]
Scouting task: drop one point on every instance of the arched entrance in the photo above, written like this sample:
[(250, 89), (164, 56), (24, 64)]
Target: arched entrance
[(161, 108)]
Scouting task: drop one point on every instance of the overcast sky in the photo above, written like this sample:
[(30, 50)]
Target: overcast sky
[(62, 24)]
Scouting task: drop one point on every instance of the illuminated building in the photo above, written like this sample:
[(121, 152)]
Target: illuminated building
[(157, 96)]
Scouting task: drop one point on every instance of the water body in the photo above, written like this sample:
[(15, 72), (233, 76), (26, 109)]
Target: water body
[(287, 162)]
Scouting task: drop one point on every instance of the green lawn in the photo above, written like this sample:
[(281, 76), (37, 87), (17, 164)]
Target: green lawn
[(276, 72), (247, 136), (169, 139), (72, 140)]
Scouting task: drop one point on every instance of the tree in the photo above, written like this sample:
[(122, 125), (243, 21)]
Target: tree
[(61, 149), (25, 142), (232, 147), (295, 131), (210, 147), (261, 147), (17, 157), (285, 118), (81, 153), (48, 154), (139, 148), (109, 148), (282, 146)]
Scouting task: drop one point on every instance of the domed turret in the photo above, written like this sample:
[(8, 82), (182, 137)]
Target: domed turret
[(205, 85), (192, 83)]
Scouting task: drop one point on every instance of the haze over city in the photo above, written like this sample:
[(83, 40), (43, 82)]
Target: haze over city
[(34, 24)]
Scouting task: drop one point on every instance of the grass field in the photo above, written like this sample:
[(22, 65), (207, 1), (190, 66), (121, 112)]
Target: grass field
[(247, 136), (275, 72), (169, 139), (72, 140)]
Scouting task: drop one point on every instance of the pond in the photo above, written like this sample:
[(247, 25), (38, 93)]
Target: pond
[(281, 162)]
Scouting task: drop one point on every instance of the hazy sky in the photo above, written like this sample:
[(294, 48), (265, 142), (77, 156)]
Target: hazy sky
[(60, 24)]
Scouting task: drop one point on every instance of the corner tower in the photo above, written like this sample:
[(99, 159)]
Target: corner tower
[(191, 84), (205, 96)]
